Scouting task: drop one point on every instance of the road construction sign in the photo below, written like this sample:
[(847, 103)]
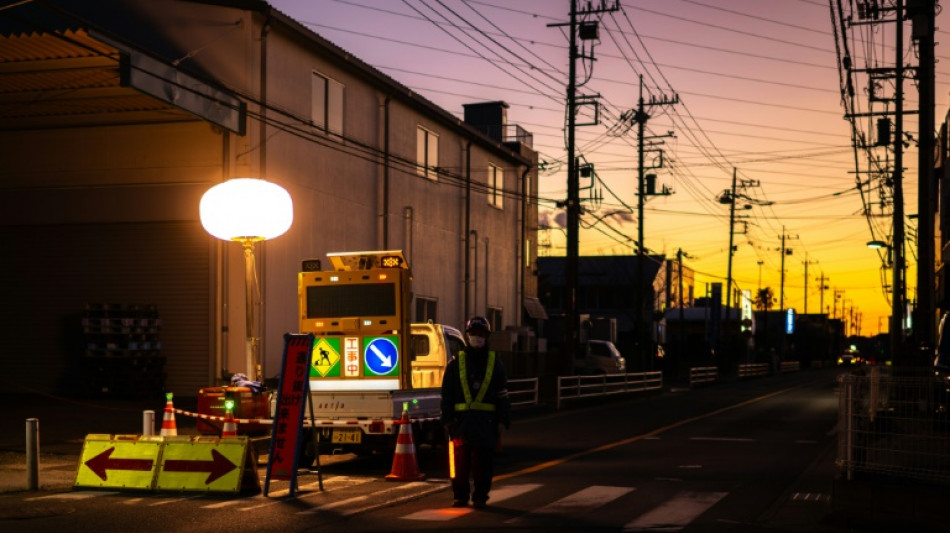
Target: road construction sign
[(121, 461), (180, 463), (205, 464), (325, 361), (381, 356)]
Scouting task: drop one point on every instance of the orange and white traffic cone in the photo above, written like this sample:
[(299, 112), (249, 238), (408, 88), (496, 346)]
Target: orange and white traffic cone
[(405, 467), (230, 426), (169, 428)]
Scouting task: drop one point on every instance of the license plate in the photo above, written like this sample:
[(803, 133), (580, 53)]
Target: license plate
[(347, 436)]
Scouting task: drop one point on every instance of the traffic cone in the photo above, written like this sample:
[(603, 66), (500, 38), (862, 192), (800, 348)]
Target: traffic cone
[(405, 467), (230, 426), (169, 428)]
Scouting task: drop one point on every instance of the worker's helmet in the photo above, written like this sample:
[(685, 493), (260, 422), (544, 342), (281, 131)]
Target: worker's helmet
[(478, 324)]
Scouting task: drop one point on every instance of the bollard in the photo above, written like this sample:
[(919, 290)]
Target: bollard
[(32, 454), (148, 422)]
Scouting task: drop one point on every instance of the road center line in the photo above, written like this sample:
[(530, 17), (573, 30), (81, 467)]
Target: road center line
[(654, 433)]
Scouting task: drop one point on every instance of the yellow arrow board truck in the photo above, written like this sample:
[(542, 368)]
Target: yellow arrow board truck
[(368, 362)]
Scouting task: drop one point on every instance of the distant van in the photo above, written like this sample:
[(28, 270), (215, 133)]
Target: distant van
[(599, 357)]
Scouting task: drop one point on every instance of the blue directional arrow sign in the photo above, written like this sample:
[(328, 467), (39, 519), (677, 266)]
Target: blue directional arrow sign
[(381, 356)]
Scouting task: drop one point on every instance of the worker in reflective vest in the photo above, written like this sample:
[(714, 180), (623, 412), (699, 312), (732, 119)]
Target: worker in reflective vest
[(474, 404)]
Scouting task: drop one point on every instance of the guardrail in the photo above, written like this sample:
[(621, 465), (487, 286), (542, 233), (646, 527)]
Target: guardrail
[(790, 366), (748, 370), (702, 374), (523, 388), (574, 387), (894, 426)]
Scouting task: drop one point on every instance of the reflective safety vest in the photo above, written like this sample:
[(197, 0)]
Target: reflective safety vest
[(479, 403)]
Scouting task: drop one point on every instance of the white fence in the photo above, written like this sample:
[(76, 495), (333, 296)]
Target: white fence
[(748, 370), (574, 387), (702, 374), (523, 391), (790, 366), (894, 426)]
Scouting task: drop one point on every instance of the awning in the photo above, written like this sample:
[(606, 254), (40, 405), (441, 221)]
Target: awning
[(534, 308)]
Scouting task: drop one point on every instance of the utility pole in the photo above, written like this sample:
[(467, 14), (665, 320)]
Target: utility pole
[(897, 279), (922, 13), (806, 262), (822, 288), (641, 117), (730, 196), (589, 32), (785, 251)]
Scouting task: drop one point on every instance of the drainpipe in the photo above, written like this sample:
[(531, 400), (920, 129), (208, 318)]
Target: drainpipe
[(261, 370), (383, 202), (407, 232), (468, 231), (474, 236), (487, 277), (523, 250)]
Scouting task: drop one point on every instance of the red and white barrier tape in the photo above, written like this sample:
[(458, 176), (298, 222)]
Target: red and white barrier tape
[(223, 418)]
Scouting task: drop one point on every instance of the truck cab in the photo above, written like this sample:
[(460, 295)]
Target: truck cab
[(432, 347)]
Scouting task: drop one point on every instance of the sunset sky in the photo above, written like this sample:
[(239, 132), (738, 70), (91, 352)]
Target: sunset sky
[(758, 88)]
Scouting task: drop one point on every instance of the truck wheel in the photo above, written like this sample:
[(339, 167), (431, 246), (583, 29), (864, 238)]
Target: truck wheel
[(308, 450)]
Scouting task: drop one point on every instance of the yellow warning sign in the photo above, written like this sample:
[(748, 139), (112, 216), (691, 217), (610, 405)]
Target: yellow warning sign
[(120, 461), (203, 464), (326, 356)]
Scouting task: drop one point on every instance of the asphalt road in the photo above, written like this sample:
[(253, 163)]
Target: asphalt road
[(754, 455)]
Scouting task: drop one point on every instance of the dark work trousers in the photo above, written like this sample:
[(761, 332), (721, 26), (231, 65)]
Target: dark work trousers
[(477, 462)]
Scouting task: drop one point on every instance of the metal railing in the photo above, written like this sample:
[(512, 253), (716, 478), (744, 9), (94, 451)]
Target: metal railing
[(790, 366), (575, 387), (748, 370), (526, 388), (897, 426), (702, 374)]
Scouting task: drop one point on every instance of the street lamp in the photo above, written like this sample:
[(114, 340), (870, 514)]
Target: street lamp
[(247, 210)]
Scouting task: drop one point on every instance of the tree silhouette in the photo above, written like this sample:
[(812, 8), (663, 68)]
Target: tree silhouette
[(764, 299)]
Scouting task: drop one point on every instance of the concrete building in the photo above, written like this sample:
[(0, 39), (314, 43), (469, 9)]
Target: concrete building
[(116, 116)]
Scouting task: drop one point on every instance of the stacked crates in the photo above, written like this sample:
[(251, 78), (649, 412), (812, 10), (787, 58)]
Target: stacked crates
[(122, 352)]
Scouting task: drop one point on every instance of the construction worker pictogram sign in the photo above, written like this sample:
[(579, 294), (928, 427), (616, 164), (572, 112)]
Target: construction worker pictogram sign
[(121, 461), (205, 464), (325, 361)]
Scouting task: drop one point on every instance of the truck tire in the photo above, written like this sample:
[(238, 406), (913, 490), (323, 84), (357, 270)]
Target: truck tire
[(307, 455)]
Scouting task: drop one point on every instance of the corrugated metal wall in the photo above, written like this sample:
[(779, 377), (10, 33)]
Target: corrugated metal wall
[(50, 273)]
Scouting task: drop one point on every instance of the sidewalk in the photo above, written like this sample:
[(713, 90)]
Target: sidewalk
[(64, 423)]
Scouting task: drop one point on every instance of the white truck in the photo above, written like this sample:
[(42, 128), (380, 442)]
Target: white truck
[(368, 363)]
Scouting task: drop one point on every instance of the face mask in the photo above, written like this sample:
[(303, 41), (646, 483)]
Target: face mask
[(475, 341)]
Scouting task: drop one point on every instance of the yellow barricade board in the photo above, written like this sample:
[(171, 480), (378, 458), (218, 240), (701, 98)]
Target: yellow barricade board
[(205, 464), (181, 463), (121, 461)]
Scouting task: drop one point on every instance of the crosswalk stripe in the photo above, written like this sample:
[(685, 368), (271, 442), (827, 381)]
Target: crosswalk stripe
[(497, 496), (676, 513), (375, 496), (79, 495), (585, 500), (219, 505)]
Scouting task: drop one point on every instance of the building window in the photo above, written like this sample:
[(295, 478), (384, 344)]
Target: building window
[(426, 309), (427, 153), (326, 104), (494, 318), (496, 186)]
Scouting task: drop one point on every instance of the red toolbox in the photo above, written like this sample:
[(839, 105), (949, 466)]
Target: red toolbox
[(247, 404)]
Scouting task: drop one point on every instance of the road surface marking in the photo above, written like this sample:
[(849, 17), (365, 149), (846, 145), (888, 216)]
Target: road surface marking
[(676, 513), (82, 495), (654, 433), (723, 439), (498, 495), (585, 500)]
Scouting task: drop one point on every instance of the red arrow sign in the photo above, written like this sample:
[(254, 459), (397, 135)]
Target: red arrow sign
[(218, 466), (102, 462)]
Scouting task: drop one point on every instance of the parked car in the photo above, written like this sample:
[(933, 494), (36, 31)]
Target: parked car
[(599, 357), (851, 357)]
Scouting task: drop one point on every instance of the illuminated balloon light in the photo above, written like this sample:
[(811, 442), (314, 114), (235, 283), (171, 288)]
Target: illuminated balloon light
[(243, 209)]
